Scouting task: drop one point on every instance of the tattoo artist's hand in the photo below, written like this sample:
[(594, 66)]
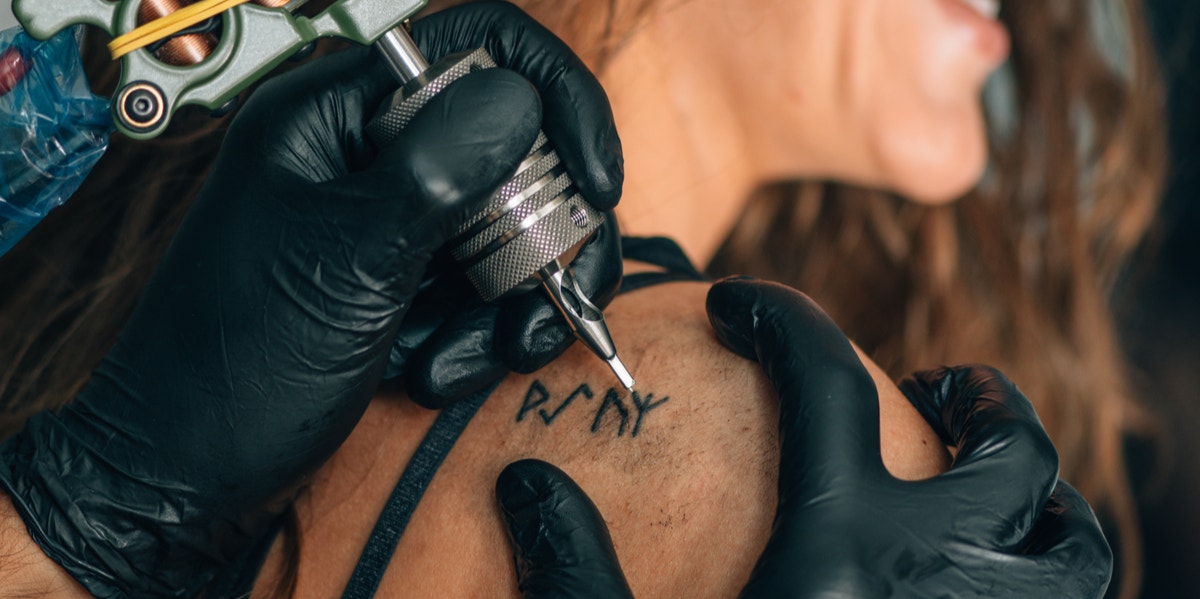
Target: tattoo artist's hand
[(266, 329), (561, 543), (995, 525), (453, 349)]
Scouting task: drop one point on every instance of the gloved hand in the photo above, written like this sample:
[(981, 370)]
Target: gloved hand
[(265, 330), (994, 525), (455, 348)]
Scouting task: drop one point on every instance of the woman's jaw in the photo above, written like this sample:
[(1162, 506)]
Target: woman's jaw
[(912, 75), (713, 100), (877, 93)]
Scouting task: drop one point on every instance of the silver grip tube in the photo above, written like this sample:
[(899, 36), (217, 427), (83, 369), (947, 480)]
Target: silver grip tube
[(516, 241), (529, 222)]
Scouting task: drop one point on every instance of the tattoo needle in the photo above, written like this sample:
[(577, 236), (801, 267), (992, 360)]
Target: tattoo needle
[(586, 320), (619, 369)]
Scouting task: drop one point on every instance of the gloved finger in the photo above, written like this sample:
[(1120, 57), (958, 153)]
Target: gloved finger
[(328, 102), (447, 358), (829, 407), (531, 332), (449, 367), (431, 309), (560, 542), (418, 327), (452, 156), (578, 117), (1002, 448), (1067, 548)]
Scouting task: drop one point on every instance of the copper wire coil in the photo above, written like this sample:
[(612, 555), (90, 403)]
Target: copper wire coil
[(184, 50), (272, 3)]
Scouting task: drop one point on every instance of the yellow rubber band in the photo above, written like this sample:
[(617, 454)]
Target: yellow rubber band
[(164, 27)]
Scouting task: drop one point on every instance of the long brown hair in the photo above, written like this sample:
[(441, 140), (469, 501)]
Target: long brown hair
[(1016, 274), (67, 288)]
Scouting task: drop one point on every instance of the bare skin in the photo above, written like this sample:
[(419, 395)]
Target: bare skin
[(689, 499), (714, 99), (28, 572)]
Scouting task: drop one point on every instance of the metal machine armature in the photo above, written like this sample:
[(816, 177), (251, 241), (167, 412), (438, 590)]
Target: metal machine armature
[(182, 52)]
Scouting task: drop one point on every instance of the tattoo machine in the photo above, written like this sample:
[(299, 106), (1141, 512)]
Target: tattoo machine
[(183, 52)]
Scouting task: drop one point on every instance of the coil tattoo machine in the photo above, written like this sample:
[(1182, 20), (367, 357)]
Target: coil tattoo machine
[(183, 52)]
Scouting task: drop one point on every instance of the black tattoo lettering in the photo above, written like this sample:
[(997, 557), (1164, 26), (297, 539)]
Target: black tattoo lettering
[(535, 389), (612, 399), (643, 408), (538, 397), (583, 390)]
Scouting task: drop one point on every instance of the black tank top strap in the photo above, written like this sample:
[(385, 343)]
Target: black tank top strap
[(438, 442), (661, 252), (440, 439)]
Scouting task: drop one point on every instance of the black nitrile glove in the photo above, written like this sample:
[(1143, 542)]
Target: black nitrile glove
[(473, 344), (995, 525), (560, 540), (454, 344), (266, 329)]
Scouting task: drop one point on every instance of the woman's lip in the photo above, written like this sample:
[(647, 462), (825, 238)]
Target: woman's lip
[(990, 35)]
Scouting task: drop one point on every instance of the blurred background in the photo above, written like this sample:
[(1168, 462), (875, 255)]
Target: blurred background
[(1159, 306)]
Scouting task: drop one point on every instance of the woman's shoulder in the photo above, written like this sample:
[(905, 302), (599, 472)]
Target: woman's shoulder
[(683, 467)]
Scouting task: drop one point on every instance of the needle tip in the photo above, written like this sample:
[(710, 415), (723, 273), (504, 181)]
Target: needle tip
[(622, 373)]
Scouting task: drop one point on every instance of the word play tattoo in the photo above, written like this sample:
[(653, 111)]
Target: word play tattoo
[(612, 406)]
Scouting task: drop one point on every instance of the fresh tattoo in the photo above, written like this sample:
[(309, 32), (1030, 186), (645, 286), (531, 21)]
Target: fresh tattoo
[(538, 400), (612, 399), (538, 395), (643, 407)]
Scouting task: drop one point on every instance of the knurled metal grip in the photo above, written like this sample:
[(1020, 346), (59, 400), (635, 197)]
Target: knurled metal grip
[(529, 222)]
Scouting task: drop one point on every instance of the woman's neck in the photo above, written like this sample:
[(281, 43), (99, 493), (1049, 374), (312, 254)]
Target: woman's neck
[(700, 133), (687, 168)]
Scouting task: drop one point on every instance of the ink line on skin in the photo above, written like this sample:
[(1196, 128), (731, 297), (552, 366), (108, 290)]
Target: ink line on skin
[(537, 398), (643, 407), (612, 399), (538, 389)]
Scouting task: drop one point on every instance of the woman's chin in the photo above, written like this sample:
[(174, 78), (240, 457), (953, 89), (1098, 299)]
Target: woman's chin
[(932, 160), (936, 193), (936, 182)]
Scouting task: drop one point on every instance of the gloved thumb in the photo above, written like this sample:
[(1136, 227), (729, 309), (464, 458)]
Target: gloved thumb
[(1067, 544), (829, 407), (1001, 443), (560, 542)]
